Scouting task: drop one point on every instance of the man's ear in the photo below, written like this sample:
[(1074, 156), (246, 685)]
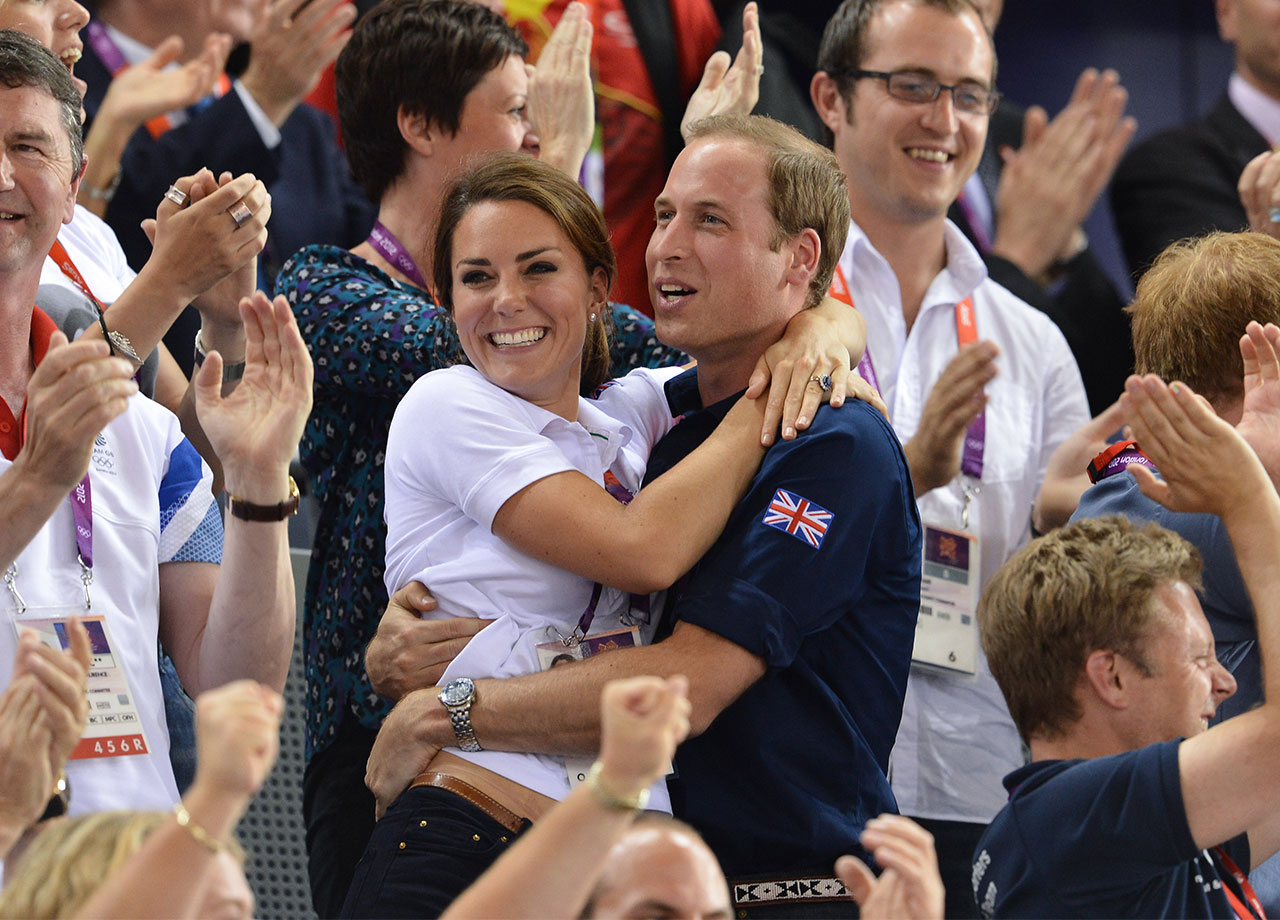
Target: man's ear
[(828, 101), (69, 210), (1226, 12), (1106, 678), (417, 130), (805, 250)]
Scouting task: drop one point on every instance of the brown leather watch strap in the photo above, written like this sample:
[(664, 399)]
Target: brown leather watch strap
[(248, 511)]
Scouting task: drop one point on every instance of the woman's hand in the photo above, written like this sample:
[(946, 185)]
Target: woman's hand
[(816, 344), (726, 90), (642, 719), (562, 106), (237, 733)]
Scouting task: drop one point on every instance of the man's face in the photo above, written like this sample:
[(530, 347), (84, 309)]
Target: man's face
[(53, 23), (1253, 26), (716, 283), (658, 871), (1187, 682), (37, 194), (907, 161)]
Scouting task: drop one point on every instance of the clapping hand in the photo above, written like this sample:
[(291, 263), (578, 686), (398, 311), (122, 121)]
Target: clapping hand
[(151, 87), (958, 396), (725, 89), (909, 886), (1049, 185), (255, 430), (561, 103)]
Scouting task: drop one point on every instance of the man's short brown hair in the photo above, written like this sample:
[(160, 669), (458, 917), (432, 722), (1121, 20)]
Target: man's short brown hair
[(844, 44), (1083, 587), (806, 187), (1193, 304)]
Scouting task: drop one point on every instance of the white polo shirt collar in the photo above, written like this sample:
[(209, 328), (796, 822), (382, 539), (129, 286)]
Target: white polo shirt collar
[(607, 435)]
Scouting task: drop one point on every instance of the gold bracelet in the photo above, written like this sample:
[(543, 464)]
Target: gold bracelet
[(202, 836), (608, 798)]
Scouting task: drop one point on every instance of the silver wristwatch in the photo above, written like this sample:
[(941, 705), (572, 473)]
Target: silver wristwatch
[(457, 697)]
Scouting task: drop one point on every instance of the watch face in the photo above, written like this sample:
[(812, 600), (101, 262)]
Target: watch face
[(457, 691)]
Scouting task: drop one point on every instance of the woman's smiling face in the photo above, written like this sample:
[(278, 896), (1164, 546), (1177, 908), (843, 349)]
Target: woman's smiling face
[(522, 297)]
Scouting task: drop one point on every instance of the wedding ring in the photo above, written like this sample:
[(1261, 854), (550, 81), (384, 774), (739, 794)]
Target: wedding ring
[(823, 381), (240, 213), (177, 196), (1274, 215)]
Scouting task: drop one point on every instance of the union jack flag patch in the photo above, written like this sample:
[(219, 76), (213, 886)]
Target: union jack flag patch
[(798, 517)]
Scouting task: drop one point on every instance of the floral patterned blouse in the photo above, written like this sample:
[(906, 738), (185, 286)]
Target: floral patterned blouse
[(370, 338)]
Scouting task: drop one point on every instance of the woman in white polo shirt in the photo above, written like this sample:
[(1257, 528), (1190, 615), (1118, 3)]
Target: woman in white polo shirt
[(510, 494)]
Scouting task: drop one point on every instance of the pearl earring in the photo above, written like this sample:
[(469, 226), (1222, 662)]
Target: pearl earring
[(591, 318)]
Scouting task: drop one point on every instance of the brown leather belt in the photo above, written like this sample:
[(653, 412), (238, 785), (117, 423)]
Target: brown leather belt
[(495, 810)]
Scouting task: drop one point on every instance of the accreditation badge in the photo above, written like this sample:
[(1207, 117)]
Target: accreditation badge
[(950, 583), (115, 726)]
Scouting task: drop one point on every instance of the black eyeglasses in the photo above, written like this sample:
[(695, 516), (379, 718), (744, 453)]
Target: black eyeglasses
[(911, 86)]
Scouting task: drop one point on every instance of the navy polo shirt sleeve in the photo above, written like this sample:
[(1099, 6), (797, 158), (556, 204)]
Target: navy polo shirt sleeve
[(792, 558)]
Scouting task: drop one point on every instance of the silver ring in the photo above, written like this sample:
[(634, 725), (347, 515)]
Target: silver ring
[(177, 196), (1274, 215), (823, 381), (240, 213)]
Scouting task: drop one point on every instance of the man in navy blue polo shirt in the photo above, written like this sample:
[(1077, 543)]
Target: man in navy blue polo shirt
[(796, 628), (1131, 805)]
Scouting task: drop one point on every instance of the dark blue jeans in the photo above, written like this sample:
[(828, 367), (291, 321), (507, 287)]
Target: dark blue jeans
[(338, 811), (427, 849), (180, 717)]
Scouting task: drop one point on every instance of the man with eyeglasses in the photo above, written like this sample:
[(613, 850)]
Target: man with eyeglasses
[(981, 387)]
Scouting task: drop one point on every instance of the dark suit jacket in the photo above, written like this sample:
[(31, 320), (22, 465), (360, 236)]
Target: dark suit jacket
[(1083, 302), (314, 198), (1182, 183)]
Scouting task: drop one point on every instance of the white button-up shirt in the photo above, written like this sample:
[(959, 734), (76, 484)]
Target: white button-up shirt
[(957, 741)]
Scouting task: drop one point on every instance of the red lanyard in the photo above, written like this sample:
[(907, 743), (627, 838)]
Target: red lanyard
[(1238, 906), (60, 255), (966, 334)]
